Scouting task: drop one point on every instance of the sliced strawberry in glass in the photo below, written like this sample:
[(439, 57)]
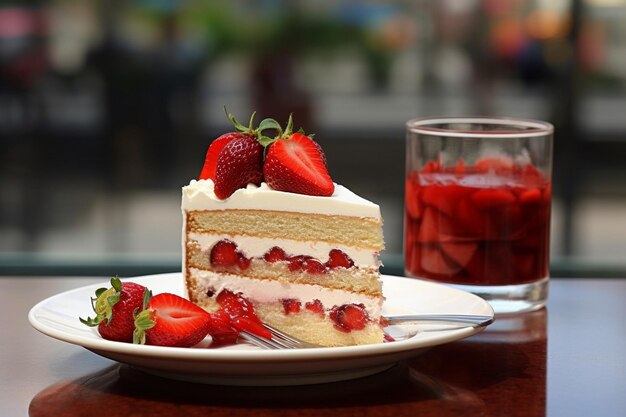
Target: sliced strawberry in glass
[(488, 198), (459, 252), (532, 177), (431, 167), (444, 198), (504, 223), (499, 267), (525, 266), (500, 165), (435, 227), (434, 262), (475, 267), (530, 196), (412, 199), (468, 220), (413, 258)]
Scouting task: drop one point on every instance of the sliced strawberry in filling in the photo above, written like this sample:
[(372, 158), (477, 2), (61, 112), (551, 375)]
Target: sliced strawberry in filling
[(313, 266), (339, 259), (224, 253), (349, 317), (243, 263), (296, 262), (275, 254), (291, 305), (235, 304), (315, 306)]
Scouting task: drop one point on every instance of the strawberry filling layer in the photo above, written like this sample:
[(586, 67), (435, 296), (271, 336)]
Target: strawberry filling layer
[(345, 317), (225, 253)]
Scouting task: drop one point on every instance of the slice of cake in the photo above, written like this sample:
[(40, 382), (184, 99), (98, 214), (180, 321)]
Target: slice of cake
[(301, 249)]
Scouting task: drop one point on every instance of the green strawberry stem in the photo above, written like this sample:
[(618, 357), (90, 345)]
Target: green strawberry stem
[(265, 124), (103, 303), (144, 320)]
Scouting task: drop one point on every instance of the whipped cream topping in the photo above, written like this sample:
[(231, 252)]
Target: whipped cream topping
[(200, 195), (266, 291), (256, 247)]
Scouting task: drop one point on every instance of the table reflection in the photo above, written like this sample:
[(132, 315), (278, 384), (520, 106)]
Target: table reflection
[(509, 358)]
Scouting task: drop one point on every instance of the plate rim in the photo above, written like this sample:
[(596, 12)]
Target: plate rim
[(207, 355)]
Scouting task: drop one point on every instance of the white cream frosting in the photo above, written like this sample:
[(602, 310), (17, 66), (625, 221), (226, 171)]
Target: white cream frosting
[(267, 291), (200, 195), (256, 247)]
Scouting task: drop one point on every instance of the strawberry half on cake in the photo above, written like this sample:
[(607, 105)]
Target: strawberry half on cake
[(265, 222)]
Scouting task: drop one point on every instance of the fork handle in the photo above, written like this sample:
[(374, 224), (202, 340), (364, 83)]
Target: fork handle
[(476, 320)]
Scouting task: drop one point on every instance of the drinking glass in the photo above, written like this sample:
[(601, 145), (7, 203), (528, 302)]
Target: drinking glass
[(477, 207)]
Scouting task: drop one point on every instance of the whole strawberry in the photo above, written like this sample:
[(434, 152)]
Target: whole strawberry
[(210, 161), (170, 320), (115, 308), (235, 159), (296, 164), (240, 163)]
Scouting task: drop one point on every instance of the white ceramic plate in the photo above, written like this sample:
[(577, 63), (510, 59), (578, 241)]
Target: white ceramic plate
[(57, 317)]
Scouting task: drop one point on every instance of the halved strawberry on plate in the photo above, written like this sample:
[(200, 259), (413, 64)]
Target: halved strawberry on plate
[(170, 320)]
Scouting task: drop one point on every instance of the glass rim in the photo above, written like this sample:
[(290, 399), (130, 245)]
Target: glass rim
[(536, 128)]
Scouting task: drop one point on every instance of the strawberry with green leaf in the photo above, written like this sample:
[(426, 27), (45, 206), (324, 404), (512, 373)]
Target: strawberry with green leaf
[(115, 308), (290, 162), (235, 159), (295, 163)]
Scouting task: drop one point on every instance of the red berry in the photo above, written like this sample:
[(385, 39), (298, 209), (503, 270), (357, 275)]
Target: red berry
[(297, 164), (275, 254), (315, 306), (339, 259), (349, 317), (250, 325), (291, 305), (170, 320), (224, 253), (221, 329), (242, 262), (115, 308), (296, 262), (313, 266), (240, 163), (210, 162), (235, 304)]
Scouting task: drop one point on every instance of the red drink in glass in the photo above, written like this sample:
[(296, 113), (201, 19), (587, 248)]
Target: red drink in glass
[(485, 224)]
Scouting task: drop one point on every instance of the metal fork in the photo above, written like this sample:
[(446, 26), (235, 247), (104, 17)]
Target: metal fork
[(281, 340)]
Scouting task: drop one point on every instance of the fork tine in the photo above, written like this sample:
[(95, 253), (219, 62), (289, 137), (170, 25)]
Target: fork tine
[(263, 342), (288, 339)]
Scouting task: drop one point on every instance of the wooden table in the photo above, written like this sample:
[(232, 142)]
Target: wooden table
[(566, 360)]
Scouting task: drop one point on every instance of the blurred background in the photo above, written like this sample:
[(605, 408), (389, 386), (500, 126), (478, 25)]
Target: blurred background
[(107, 108)]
